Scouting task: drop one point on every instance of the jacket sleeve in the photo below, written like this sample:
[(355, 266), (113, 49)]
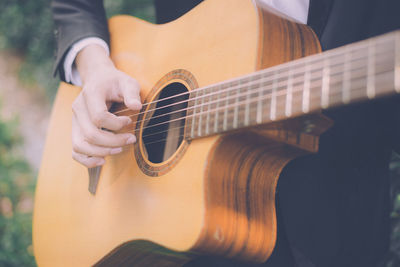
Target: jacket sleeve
[(74, 20)]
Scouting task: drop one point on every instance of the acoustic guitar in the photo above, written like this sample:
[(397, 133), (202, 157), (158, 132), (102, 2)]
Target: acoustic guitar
[(232, 92)]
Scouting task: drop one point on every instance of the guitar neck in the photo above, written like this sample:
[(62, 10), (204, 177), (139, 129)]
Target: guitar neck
[(365, 70)]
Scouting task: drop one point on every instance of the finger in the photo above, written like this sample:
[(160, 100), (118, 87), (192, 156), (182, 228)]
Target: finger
[(89, 162), (130, 90), (98, 137), (101, 117), (85, 148), (79, 145)]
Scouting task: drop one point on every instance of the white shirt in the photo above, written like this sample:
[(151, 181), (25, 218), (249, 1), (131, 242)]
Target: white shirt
[(296, 9)]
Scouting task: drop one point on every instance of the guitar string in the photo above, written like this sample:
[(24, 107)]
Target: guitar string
[(249, 91), (314, 96), (382, 41), (260, 87), (252, 101), (257, 83), (265, 75), (241, 113), (311, 60), (204, 96), (281, 92), (183, 136)]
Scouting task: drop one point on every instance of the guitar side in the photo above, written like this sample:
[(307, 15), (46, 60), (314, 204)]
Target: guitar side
[(191, 207)]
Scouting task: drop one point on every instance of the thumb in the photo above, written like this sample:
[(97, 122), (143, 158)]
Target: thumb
[(130, 90)]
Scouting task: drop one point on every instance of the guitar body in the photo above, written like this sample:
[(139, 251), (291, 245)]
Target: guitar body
[(214, 195)]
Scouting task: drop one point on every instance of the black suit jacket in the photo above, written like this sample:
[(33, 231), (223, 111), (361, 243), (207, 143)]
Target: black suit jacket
[(77, 19), (335, 22), (334, 205)]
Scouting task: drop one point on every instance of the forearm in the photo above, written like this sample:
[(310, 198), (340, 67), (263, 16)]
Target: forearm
[(93, 126), (92, 60), (75, 20)]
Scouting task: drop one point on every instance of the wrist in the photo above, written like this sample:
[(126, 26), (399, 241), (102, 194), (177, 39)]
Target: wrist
[(92, 60)]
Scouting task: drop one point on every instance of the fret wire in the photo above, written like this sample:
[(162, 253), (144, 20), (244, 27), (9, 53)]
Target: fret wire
[(189, 112), (194, 113), (381, 41), (397, 62), (371, 71), (225, 124), (281, 92), (361, 89), (207, 109), (247, 108), (325, 84), (208, 114), (306, 91), (210, 106), (247, 90), (273, 98), (231, 105), (244, 93), (392, 80), (259, 107), (198, 94), (288, 107), (247, 105), (346, 76), (214, 99), (201, 111), (337, 52), (315, 89), (236, 108), (221, 110), (356, 75), (283, 75), (338, 91), (216, 114)]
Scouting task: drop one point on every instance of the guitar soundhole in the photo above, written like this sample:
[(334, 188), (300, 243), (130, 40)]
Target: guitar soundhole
[(163, 133)]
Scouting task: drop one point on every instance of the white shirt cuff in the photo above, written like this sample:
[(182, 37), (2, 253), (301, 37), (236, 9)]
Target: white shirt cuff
[(297, 10), (70, 71)]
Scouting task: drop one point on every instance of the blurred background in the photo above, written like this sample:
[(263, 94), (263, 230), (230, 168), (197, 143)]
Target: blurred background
[(27, 90)]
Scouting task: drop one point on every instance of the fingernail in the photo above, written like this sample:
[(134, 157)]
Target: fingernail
[(131, 140), (134, 103), (128, 121), (101, 162), (115, 150)]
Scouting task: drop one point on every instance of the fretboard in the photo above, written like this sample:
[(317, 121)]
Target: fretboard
[(353, 73)]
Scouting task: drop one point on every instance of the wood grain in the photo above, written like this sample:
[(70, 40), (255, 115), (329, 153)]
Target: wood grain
[(197, 206), (244, 168), (242, 174)]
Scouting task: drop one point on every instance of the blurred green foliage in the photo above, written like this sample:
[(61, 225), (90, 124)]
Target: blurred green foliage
[(143, 9), (16, 200), (27, 28)]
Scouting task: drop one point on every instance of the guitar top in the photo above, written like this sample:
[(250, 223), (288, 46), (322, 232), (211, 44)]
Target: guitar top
[(226, 107)]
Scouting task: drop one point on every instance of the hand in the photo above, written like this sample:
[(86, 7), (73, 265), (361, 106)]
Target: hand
[(102, 85)]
